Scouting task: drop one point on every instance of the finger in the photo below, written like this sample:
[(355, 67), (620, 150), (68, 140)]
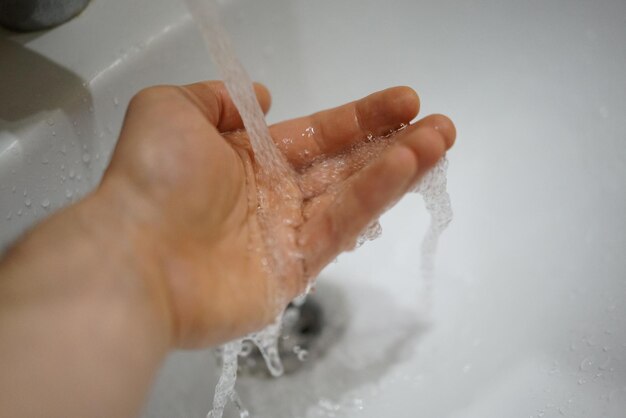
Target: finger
[(335, 228), (334, 130), (323, 174), (438, 122), (213, 99)]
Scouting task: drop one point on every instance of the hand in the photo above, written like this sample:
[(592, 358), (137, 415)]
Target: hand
[(183, 181)]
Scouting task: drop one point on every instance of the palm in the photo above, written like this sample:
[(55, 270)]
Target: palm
[(201, 176)]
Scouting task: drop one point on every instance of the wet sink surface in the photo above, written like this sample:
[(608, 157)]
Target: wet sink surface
[(529, 304)]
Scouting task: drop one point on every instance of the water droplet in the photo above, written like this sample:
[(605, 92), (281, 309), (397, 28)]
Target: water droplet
[(19, 212), (27, 202), (69, 193), (72, 174), (358, 404), (9, 216), (86, 157), (581, 381), (467, 368), (116, 101), (309, 132), (50, 121), (586, 365), (44, 160), (45, 204), (246, 348), (54, 133), (303, 355), (329, 405), (13, 189)]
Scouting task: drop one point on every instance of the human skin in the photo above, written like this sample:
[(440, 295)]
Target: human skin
[(158, 256)]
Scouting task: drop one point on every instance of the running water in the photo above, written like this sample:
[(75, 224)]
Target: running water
[(433, 188), (276, 174)]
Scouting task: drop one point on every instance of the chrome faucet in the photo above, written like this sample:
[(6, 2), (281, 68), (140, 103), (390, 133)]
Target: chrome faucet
[(32, 15)]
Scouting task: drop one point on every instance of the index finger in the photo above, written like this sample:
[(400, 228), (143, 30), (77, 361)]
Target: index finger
[(213, 99)]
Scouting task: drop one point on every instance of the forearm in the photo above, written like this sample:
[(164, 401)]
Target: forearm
[(82, 329)]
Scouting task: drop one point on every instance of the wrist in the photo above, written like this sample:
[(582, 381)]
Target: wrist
[(78, 292), (91, 258), (120, 224)]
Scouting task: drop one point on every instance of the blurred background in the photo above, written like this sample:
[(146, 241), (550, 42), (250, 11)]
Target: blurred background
[(529, 304)]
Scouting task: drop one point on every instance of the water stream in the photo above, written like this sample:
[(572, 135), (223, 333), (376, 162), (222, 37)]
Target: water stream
[(276, 174)]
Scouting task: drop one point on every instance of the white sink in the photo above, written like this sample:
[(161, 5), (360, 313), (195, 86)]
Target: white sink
[(529, 313)]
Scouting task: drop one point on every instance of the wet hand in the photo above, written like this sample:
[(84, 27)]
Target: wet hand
[(183, 182)]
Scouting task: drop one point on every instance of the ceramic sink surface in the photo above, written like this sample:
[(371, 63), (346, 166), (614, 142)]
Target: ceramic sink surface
[(529, 308)]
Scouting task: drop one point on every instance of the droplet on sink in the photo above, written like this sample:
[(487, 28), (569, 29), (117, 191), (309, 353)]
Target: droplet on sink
[(86, 157), (116, 101), (45, 204), (69, 193), (27, 202), (50, 121), (586, 365), (329, 405)]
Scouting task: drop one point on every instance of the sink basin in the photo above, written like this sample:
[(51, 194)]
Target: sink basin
[(528, 313)]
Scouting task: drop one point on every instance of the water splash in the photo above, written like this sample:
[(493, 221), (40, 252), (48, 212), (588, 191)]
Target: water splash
[(275, 174), (267, 342), (226, 384), (433, 188)]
